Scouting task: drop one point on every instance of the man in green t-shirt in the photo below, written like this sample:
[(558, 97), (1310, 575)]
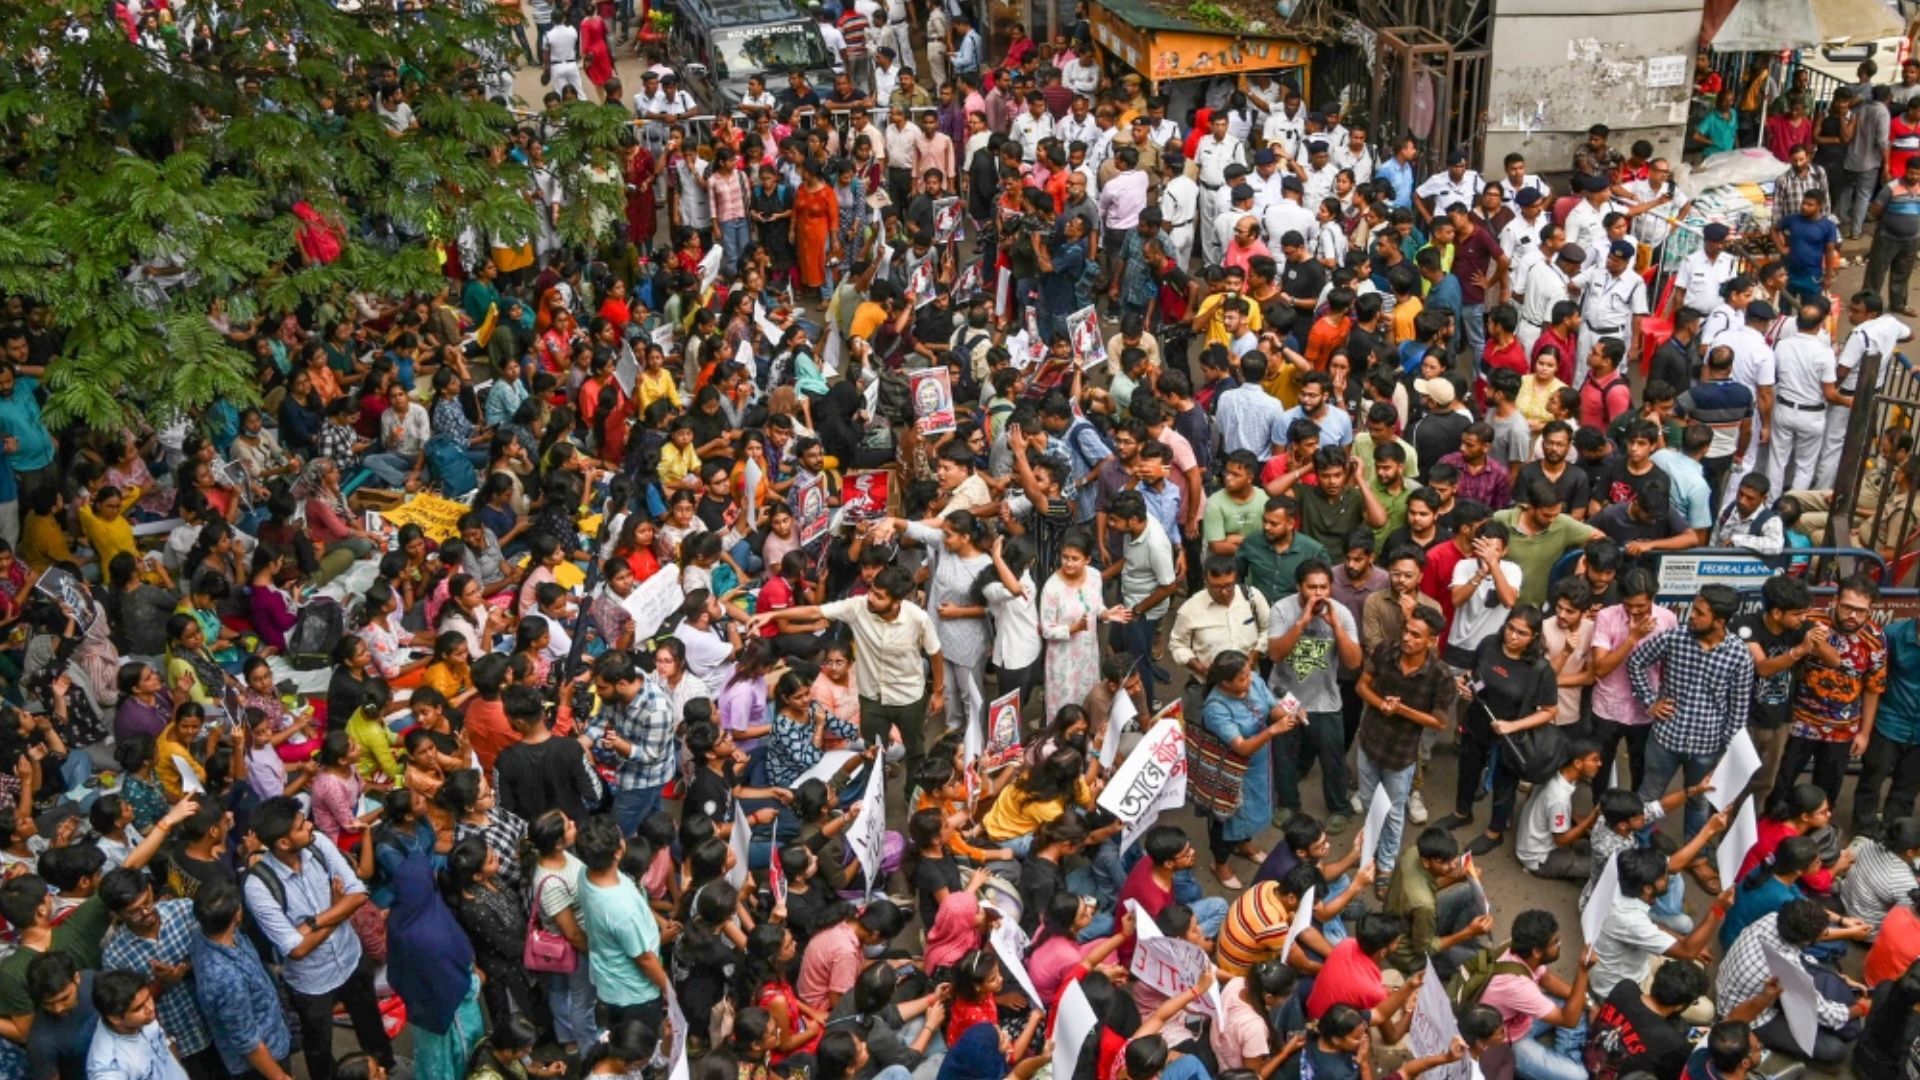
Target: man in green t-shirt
[(1233, 513), (1538, 535)]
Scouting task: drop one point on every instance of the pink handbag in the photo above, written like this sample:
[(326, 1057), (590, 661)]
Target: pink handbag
[(546, 952)]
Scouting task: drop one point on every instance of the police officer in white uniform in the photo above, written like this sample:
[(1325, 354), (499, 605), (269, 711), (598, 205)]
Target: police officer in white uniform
[(1455, 184), (1586, 222), (1286, 126), (1216, 150), (1286, 214), (1520, 238), (1804, 379), (1179, 208), (1611, 298), (562, 45), (1874, 331), (1704, 270), (1753, 368), (1549, 282)]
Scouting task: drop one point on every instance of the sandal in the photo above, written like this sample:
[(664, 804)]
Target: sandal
[(1707, 876), (1256, 856), (1227, 880)]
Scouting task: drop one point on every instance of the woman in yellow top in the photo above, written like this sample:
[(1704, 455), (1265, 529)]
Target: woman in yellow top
[(107, 529), (191, 670), (173, 748), (679, 461), (656, 382), (1037, 798), (448, 671), (368, 730), (42, 541)]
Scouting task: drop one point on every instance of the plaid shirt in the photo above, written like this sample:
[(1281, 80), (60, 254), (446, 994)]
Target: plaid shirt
[(1711, 689), (1791, 187), (647, 723), (336, 441), (503, 833), (1744, 973), (1491, 487), (178, 1010)]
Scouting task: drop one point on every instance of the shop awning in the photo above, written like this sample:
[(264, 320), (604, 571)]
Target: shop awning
[(1159, 41), (1772, 25)]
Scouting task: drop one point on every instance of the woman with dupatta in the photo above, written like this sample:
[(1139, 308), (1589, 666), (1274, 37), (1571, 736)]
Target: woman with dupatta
[(816, 223), (430, 965), (643, 215)]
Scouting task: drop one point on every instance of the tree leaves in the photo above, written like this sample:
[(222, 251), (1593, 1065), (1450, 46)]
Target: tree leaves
[(147, 182)]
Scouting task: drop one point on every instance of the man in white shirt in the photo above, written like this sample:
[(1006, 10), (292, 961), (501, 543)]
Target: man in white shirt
[(1215, 152), (1287, 213), (1586, 222), (1517, 179), (886, 73), (1520, 237), (1031, 127), (1651, 202), (1082, 75), (835, 41), (1753, 368), (1704, 270), (1353, 154), (1317, 175), (1286, 126), (128, 1041), (757, 99), (1265, 178), (1613, 300), (561, 49), (650, 105), (1549, 276), (1455, 184), (1162, 129), (1804, 385), (1179, 208), (1080, 126), (1874, 331)]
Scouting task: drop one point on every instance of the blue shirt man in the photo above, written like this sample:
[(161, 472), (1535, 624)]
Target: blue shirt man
[(1807, 238), (29, 446), (1398, 174)]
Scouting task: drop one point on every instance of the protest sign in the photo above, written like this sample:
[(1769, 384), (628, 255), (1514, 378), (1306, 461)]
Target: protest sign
[(1003, 732), (1736, 768), (1119, 716), (437, 516), (710, 267), (676, 1048), (867, 836), (1073, 1023), (1302, 918), (824, 770), (831, 351), (1010, 943), (1799, 998), (1377, 811), (946, 220), (776, 877), (1083, 329), (920, 283), (1434, 1028), (1742, 833), (1171, 966), (626, 371), (863, 495), (810, 511), (653, 600), (66, 590), (932, 390), (967, 286), (663, 337), (739, 839), (1605, 892), (1003, 293), (1161, 756)]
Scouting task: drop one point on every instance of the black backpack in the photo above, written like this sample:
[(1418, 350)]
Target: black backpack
[(316, 631)]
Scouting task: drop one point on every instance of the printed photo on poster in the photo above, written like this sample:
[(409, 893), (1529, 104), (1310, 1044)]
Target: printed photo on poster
[(1003, 732), (863, 495), (1083, 327), (810, 513), (932, 400)]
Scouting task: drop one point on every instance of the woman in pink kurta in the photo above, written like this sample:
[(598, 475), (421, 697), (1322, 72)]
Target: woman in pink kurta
[(1070, 611)]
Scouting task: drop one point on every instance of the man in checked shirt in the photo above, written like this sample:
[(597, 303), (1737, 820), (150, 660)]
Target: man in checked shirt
[(1699, 700)]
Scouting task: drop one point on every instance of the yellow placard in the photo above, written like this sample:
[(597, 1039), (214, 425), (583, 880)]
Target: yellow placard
[(569, 576), (438, 517)]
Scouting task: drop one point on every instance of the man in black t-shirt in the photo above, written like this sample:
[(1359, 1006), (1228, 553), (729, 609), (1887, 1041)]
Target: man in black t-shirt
[(1623, 477), (1568, 480), (1636, 1032), (1777, 638)]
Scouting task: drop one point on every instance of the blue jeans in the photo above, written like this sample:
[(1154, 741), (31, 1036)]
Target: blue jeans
[(1209, 912), (1667, 906), (734, 238), (1533, 1061), (750, 561), (1399, 785), (389, 468), (1082, 881), (1137, 638), (572, 999), (1662, 763), (631, 806), (1473, 318)]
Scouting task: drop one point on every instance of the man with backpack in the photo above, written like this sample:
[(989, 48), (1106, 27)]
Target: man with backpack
[(301, 893), (1530, 999)]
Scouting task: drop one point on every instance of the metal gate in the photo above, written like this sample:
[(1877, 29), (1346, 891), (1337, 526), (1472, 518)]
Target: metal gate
[(1425, 87), (1888, 399)]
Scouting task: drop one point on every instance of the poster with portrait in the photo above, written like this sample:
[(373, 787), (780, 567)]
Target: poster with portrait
[(863, 495), (932, 390), (967, 285), (946, 220), (1083, 330), (66, 590), (1003, 732), (920, 282), (810, 512)]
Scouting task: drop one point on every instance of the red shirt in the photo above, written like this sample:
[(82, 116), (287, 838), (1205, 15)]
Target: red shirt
[(1895, 947), (775, 595), (1603, 402), (1436, 581), (1349, 977), (1563, 347), (488, 730), (1143, 889)]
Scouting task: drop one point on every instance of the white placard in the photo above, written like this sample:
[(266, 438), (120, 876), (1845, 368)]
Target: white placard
[(825, 769), (1605, 892), (1161, 756), (189, 780), (768, 328), (1172, 798), (1799, 998), (1377, 811), (1123, 713), (1074, 1021), (739, 840), (831, 351), (1144, 928), (710, 267), (653, 600), (1302, 918), (1010, 945), (1666, 71), (677, 1053), (1735, 770), (1433, 1028), (868, 835), (626, 371), (1742, 833), (1172, 966)]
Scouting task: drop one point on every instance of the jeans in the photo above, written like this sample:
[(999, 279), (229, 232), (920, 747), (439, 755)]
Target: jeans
[(1084, 881), (1137, 638), (1856, 192), (1455, 907), (734, 238), (1473, 319), (1533, 1061), (1323, 736), (1662, 763), (1399, 785), (750, 561), (631, 806), (1209, 913), (389, 468), (316, 1021), (1886, 759), (572, 999)]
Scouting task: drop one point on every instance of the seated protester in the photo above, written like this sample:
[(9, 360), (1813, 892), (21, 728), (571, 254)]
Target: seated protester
[(1747, 990), (787, 587), (1647, 524), (1037, 796), (1882, 874), (806, 900), (1338, 1046), (1152, 881), (1885, 1046), (63, 1017), (1801, 810), (1064, 950), (872, 1013), (1244, 1035), (1350, 978), (1625, 825), (1773, 885), (1731, 1049), (822, 831), (1306, 842), (1442, 909), (715, 785), (935, 874), (1896, 945), (1043, 871), (1630, 943), (1552, 844), (1645, 1031), (943, 787), (1533, 1001)]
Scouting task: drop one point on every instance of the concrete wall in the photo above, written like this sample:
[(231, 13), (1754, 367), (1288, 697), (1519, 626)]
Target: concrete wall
[(1561, 66)]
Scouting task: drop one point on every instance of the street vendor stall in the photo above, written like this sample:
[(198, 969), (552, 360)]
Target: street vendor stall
[(1179, 53)]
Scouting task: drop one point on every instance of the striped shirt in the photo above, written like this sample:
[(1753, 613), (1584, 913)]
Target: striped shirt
[(1255, 929), (1711, 689)]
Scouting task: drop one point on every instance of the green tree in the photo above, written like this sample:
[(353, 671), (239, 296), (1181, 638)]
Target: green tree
[(152, 180)]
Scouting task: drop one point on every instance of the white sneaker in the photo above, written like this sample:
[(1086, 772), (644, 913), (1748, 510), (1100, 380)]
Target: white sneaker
[(1353, 800), (1416, 809)]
